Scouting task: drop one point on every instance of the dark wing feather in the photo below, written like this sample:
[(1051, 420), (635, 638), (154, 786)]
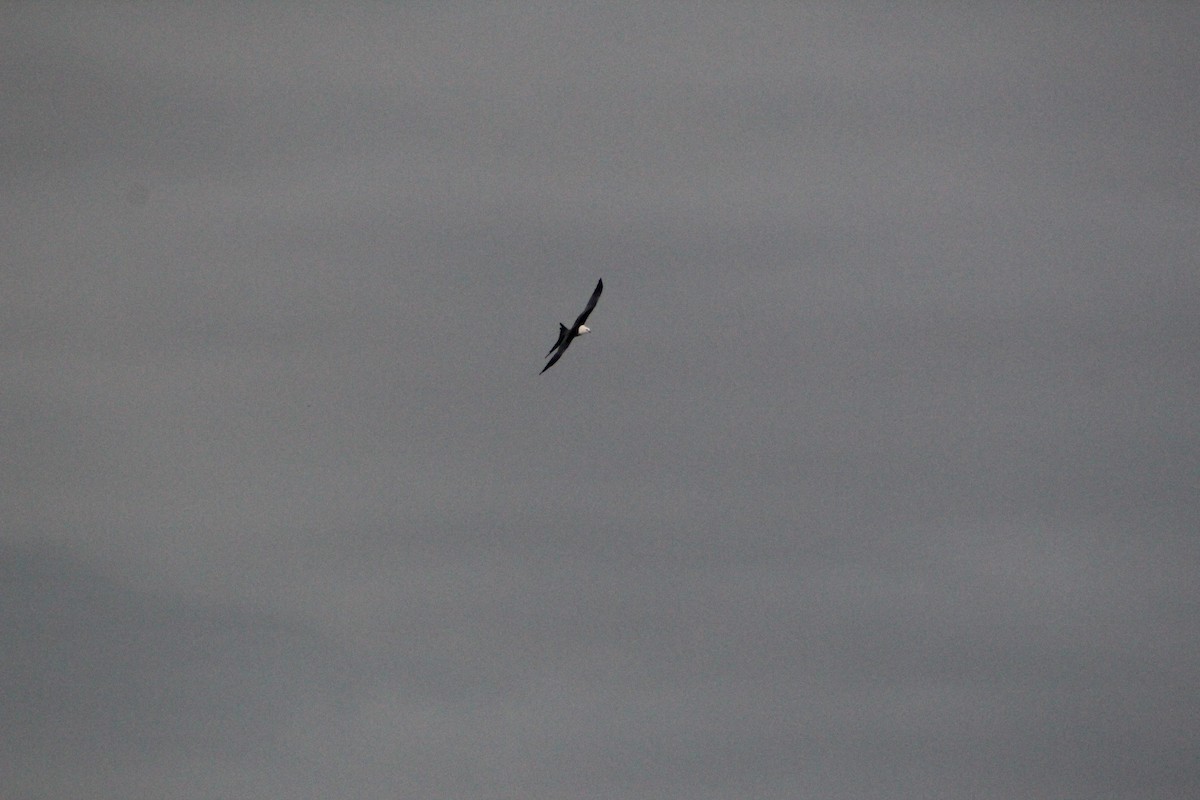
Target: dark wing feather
[(557, 355), (582, 318)]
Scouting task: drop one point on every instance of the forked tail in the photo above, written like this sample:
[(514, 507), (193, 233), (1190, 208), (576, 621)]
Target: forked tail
[(562, 333)]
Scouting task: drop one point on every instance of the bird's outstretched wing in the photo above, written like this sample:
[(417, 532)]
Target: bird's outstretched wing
[(557, 356), (582, 318)]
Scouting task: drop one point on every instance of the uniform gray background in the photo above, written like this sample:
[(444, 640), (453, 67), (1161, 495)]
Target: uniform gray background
[(877, 477)]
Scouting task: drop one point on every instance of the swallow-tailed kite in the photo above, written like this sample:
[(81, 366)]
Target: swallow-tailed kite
[(565, 334)]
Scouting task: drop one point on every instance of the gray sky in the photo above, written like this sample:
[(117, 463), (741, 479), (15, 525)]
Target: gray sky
[(877, 477)]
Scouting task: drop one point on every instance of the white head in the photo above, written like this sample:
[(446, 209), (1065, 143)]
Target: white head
[(584, 329)]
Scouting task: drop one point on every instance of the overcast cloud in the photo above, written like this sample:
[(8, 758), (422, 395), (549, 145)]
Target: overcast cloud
[(877, 477)]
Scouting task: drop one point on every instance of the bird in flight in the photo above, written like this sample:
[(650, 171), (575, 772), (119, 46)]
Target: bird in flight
[(565, 334)]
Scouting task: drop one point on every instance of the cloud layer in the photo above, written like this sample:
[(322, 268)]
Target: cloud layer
[(876, 479)]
